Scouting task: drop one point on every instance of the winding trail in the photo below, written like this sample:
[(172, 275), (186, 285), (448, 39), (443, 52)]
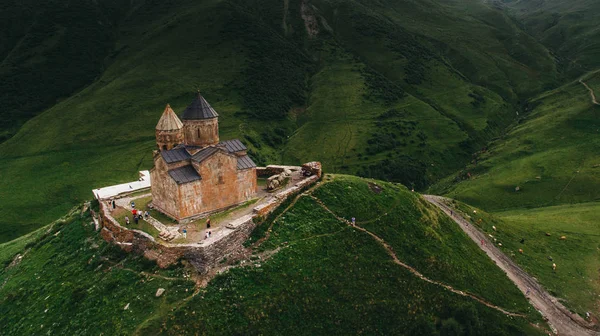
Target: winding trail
[(561, 320), (594, 101), (397, 261)]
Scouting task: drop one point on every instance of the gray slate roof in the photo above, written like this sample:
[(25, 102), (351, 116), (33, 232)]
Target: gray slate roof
[(199, 109), (205, 153), (245, 162), (233, 146), (175, 155), (184, 174)]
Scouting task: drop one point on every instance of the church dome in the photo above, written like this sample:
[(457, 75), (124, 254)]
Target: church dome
[(199, 109), (169, 121)]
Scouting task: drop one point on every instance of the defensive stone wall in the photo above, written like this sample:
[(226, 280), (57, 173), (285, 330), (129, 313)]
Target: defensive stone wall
[(207, 253)]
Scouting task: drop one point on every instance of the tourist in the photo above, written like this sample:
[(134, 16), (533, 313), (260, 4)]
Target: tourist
[(136, 218), (146, 215), (206, 235), (528, 291), (114, 205), (184, 233), (132, 204), (554, 267), (209, 234), (127, 220), (353, 221), (208, 223)]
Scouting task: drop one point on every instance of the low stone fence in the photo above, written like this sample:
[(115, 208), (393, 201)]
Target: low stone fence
[(271, 170), (204, 254)]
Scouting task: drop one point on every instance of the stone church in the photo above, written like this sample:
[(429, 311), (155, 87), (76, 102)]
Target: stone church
[(194, 173)]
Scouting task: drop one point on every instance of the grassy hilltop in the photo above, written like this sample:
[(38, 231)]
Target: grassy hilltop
[(314, 274), (397, 90)]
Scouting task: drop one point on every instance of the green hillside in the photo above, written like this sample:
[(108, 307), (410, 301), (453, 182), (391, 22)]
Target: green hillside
[(314, 274), (48, 50), (398, 90), (544, 178), (568, 28)]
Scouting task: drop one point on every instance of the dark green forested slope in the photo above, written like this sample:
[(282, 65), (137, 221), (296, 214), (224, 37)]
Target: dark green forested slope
[(400, 90), (48, 50), (568, 28)]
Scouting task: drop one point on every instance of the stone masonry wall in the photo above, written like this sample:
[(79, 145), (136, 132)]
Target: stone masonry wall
[(203, 132), (203, 255)]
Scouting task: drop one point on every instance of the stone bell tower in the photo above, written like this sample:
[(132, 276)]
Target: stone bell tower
[(200, 124), (169, 130)]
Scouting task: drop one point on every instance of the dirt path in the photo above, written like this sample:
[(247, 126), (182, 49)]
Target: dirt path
[(594, 101), (397, 261), (562, 321)]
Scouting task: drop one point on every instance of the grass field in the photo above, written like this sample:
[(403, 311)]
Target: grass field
[(577, 258)]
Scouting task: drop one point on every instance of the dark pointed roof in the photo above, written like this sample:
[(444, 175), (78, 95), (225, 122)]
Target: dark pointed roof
[(199, 109)]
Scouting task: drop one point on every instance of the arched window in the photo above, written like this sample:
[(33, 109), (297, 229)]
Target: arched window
[(198, 133)]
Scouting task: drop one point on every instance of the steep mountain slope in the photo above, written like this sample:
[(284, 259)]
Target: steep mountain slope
[(314, 274), (400, 90), (568, 28), (48, 50)]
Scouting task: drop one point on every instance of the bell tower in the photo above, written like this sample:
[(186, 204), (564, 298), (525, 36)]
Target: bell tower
[(169, 130), (200, 124)]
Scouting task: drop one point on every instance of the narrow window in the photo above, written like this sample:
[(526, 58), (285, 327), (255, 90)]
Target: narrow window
[(198, 133)]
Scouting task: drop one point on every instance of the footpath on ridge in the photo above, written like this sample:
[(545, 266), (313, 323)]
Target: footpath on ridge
[(558, 316), (594, 101), (397, 261)]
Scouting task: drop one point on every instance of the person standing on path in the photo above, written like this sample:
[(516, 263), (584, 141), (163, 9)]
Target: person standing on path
[(136, 219), (184, 233), (353, 221), (126, 220), (208, 223), (114, 205)]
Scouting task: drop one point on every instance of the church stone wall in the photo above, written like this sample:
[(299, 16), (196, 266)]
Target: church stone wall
[(164, 189), (218, 186), (246, 184), (204, 132), (168, 139)]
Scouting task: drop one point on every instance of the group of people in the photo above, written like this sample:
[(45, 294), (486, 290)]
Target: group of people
[(137, 214)]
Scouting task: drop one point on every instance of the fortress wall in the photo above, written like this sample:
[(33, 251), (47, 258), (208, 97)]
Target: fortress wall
[(225, 244)]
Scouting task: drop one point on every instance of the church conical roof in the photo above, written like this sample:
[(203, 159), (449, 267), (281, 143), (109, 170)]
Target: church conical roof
[(199, 109), (169, 121)]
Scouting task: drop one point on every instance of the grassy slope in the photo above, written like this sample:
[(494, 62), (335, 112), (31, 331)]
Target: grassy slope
[(577, 257), (325, 278), (67, 283), (370, 96), (552, 156), (48, 50), (568, 29), (329, 279)]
